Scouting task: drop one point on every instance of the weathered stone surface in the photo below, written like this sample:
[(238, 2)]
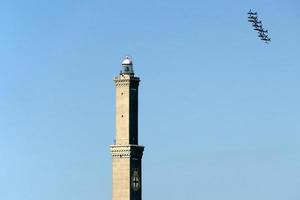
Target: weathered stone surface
[(126, 153)]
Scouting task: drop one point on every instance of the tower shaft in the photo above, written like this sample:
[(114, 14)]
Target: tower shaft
[(126, 152), (126, 109)]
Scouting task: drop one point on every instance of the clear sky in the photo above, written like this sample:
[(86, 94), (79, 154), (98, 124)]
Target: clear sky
[(219, 109)]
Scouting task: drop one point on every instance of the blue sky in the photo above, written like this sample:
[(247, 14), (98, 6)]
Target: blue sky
[(219, 109)]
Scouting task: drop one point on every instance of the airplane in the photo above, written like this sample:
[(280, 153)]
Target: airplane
[(254, 21), (262, 35), (259, 28), (252, 17), (257, 22), (267, 40), (257, 25), (252, 13)]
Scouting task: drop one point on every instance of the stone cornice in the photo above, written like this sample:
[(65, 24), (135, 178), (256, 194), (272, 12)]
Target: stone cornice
[(125, 80), (132, 151)]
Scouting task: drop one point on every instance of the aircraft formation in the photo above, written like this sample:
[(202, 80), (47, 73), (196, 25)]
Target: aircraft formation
[(257, 26)]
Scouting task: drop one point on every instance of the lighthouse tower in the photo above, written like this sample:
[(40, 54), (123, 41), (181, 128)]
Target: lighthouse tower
[(126, 151)]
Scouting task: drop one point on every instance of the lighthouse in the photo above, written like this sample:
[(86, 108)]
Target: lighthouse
[(126, 151)]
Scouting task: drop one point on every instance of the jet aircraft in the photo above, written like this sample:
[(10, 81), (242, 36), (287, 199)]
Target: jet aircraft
[(254, 21), (259, 29), (267, 40), (252, 17), (262, 35), (252, 13), (257, 26), (257, 22)]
